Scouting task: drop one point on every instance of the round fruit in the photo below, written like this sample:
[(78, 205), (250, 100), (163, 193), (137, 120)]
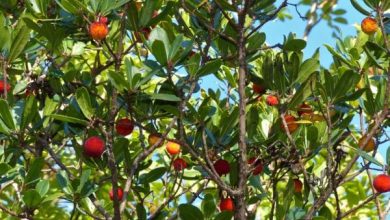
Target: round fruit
[(305, 109), (297, 185), (382, 183), (272, 100), (98, 30), (103, 19), (94, 146), (173, 148), (222, 167), (179, 164), (154, 138), (369, 25), (258, 166), (124, 126), (145, 32), (119, 193), (291, 123), (370, 146), (258, 89), (2, 86), (226, 205)]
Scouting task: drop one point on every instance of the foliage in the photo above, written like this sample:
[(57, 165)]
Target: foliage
[(67, 87)]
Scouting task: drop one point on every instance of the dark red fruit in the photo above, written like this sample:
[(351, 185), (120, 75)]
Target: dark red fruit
[(305, 109), (124, 126), (179, 164), (226, 205), (94, 146), (258, 166), (258, 89), (222, 167), (298, 186), (119, 193)]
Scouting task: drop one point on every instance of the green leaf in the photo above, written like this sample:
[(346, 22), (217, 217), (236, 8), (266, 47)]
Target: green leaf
[(31, 198), (388, 156), (175, 46), (34, 172), (84, 101), (338, 56), (307, 68), (19, 42), (366, 155), (5, 114), (78, 49), (141, 212), (189, 212), (43, 187), (158, 50), (69, 119), (225, 215), (147, 12), (294, 45), (358, 7), (83, 179), (208, 205), (153, 175), (63, 182), (165, 97), (29, 111), (346, 82), (5, 167), (118, 80), (209, 68)]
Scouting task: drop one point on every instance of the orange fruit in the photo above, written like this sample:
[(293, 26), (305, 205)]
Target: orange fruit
[(98, 30), (291, 123), (369, 25), (370, 146), (173, 148)]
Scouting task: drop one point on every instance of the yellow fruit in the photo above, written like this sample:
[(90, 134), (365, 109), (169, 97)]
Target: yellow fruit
[(370, 146), (154, 138)]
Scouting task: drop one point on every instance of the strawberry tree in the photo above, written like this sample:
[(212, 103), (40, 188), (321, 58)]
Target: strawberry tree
[(182, 109)]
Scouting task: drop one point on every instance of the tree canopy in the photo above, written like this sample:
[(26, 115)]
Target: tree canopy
[(106, 111)]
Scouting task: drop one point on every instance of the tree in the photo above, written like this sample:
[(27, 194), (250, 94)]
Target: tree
[(103, 114)]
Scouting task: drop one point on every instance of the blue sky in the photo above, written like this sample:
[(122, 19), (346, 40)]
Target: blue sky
[(320, 35)]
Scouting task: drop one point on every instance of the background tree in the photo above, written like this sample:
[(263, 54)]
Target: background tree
[(103, 114)]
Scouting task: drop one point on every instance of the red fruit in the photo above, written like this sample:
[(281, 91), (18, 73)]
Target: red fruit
[(258, 89), (222, 167), (124, 126), (7, 86), (179, 164), (119, 193), (191, 54), (291, 124), (98, 30), (297, 185), (94, 146), (272, 100), (143, 32), (258, 166), (226, 205), (103, 19), (382, 183), (305, 109)]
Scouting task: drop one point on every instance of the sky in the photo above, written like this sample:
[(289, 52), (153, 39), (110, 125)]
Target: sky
[(321, 34)]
